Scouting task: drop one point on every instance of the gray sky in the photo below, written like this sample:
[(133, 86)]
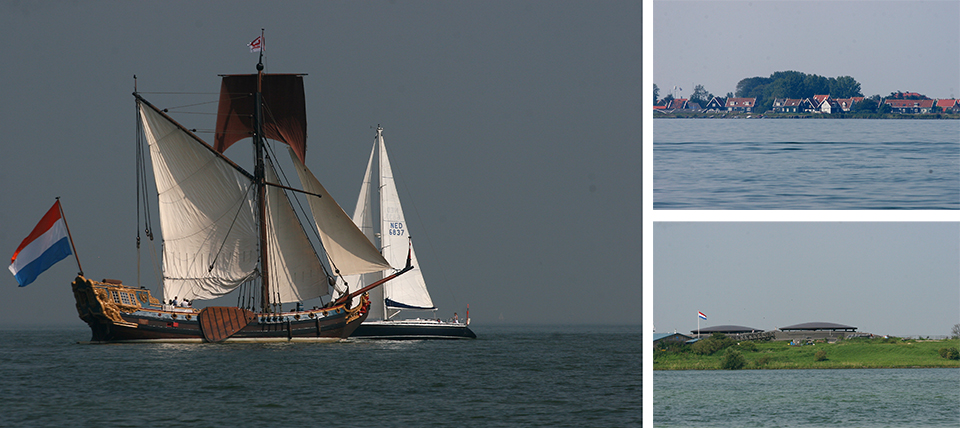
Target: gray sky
[(885, 45), (512, 127), (899, 278)]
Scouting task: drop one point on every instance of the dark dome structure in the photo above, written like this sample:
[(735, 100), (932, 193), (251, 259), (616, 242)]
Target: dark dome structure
[(818, 326)]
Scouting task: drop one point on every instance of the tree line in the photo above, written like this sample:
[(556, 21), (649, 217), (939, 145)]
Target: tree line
[(781, 84)]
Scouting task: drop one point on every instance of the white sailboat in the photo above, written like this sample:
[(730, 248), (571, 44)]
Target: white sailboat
[(406, 293)]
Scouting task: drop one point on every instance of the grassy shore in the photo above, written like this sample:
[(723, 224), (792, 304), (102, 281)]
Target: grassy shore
[(678, 114), (847, 354)]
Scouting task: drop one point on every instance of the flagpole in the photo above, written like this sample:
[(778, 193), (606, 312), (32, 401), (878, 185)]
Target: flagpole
[(75, 255)]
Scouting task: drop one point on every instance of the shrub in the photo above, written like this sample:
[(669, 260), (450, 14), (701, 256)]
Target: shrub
[(820, 355), (712, 344), (748, 346), (732, 360), (950, 353), (762, 361)]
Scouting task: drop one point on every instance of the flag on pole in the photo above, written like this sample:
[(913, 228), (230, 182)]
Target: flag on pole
[(701, 315), (256, 45), (47, 244)]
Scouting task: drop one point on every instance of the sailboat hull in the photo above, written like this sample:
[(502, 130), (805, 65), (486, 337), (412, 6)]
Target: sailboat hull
[(413, 330), (117, 313)]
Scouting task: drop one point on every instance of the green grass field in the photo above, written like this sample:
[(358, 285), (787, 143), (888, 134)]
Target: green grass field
[(847, 354)]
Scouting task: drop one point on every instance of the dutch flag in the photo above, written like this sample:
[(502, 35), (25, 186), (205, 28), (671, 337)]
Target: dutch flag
[(47, 244), (701, 315)]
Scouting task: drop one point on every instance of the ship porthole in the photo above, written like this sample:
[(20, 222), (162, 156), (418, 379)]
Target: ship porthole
[(189, 317), (297, 316), (174, 316)]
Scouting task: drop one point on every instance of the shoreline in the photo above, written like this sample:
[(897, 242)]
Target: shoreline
[(877, 353), (739, 115)]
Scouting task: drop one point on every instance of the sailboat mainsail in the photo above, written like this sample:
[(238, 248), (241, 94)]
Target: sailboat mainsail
[(206, 213)]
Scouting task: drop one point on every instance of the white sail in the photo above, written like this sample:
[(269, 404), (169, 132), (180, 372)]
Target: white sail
[(408, 291), (363, 218), (295, 271), (206, 214), (349, 251)]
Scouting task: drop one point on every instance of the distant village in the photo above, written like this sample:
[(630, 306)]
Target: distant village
[(903, 103)]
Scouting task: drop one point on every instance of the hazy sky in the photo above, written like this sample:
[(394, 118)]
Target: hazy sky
[(900, 278), (885, 45), (512, 126)]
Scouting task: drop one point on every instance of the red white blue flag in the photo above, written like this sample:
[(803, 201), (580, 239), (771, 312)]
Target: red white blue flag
[(47, 244), (256, 45), (701, 315)]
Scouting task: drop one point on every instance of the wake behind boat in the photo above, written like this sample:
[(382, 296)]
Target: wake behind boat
[(410, 291), (227, 230)]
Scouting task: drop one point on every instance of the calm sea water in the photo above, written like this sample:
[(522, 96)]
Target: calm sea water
[(807, 398), (508, 377), (806, 164)]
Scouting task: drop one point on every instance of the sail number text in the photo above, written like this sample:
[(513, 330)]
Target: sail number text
[(396, 229)]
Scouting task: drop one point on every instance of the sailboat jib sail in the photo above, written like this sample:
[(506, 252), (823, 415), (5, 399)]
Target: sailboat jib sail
[(347, 247), (206, 215)]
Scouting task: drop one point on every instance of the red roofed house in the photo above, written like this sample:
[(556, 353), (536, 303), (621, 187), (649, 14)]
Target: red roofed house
[(683, 103), (741, 104), (949, 106), (817, 100), (910, 106)]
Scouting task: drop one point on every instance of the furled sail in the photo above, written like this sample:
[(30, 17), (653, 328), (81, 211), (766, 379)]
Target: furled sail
[(408, 291), (296, 273), (206, 214), (284, 110), (348, 249)]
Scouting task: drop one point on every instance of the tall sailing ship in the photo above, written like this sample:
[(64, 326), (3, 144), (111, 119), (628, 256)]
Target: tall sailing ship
[(227, 230), (387, 226)]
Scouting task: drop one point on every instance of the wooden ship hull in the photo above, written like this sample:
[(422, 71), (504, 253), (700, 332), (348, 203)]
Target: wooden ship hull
[(117, 313)]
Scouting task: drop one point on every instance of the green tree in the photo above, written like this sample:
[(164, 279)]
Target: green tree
[(844, 87), (656, 93), (700, 96), (884, 108), (732, 360), (955, 332), (868, 105), (751, 87)]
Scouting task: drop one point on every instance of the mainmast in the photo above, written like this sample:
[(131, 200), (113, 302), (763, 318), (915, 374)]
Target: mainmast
[(261, 187)]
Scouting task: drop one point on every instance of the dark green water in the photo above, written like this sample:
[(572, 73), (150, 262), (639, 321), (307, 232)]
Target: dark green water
[(802, 164), (509, 377), (807, 398)]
